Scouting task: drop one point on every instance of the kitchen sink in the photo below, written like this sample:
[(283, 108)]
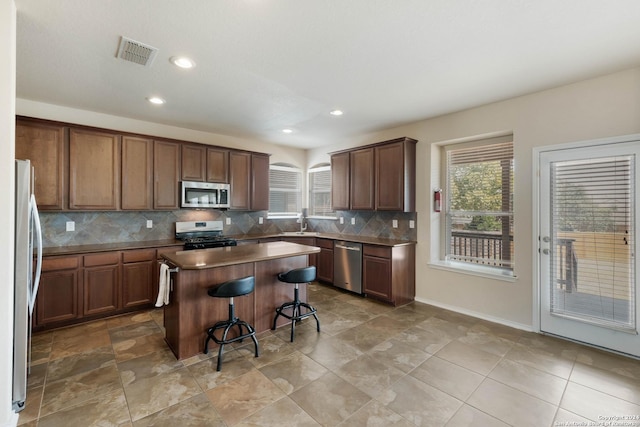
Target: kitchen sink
[(299, 233)]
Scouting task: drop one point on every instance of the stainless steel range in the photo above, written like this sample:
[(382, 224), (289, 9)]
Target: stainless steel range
[(202, 235)]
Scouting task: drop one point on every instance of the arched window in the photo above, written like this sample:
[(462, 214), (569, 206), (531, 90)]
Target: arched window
[(320, 191), (285, 191)]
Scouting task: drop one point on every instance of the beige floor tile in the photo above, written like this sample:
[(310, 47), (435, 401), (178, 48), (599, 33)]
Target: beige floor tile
[(609, 362), (332, 323), (330, 400), (129, 319), (293, 372), (541, 359), (139, 346), (333, 353), (194, 412), (79, 363), (86, 340), (375, 414), (31, 409), (234, 364), (455, 380), (566, 418), (147, 366), (594, 405), (272, 349), (428, 340), (82, 330), (487, 342), (530, 380), (398, 354), (511, 406), (109, 409), (364, 337), (369, 375), (76, 389), (243, 396), (154, 394), (468, 416), (620, 386), (469, 357), (420, 403), (283, 413), (37, 375), (133, 330)]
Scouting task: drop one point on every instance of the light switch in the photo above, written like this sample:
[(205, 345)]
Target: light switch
[(228, 221), (353, 221), (149, 223), (341, 220), (394, 223), (412, 224), (260, 220), (71, 226)]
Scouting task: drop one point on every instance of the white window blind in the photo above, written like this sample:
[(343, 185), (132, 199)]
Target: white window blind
[(479, 202), (320, 192), (285, 190), (592, 268)]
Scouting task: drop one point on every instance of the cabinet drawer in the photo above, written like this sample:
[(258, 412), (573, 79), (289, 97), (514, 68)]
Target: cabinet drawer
[(66, 263), (377, 251), (138, 255), (324, 243), (107, 258)]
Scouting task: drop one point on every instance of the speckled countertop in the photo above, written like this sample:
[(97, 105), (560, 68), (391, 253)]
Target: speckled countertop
[(151, 244)]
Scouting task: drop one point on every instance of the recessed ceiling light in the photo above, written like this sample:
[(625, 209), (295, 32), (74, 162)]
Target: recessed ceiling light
[(182, 62), (156, 100), (287, 130), (336, 112)]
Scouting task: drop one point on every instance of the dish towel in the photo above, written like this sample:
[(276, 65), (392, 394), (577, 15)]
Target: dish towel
[(164, 287)]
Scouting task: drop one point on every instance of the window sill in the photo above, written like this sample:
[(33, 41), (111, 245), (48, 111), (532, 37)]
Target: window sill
[(283, 216), (322, 217), (474, 270)]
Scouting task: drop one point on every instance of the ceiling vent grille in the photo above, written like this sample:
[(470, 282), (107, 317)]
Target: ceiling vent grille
[(133, 51)]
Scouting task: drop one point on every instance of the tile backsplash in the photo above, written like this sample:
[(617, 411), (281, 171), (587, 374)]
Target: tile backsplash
[(114, 227)]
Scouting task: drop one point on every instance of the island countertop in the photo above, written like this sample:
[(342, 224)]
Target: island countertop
[(231, 255)]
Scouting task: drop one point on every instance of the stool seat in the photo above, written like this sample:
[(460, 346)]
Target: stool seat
[(297, 276), (231, 289)]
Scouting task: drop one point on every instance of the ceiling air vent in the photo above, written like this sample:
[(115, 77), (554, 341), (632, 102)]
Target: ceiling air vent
[(133, 51)]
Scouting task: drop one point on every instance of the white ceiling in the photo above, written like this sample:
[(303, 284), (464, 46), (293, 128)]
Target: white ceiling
[(265, 65)]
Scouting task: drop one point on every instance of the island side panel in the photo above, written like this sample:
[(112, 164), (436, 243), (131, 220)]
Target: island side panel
[(191, 311), (272, 293)]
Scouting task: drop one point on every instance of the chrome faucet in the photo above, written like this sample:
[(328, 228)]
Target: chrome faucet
[(303, 224)]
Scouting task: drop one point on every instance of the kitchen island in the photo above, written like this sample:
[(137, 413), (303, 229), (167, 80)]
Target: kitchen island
[(190, 311)]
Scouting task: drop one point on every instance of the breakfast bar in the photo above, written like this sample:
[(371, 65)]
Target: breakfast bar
[(190, 311)]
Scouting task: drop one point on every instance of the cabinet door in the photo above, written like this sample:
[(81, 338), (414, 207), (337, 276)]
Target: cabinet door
[(137, 173), (240, 170), (194, 162), (217, 165), (340, 181), (166, 175), (58, 297), (376, 277), (362, 179), (259, 182), (44, 145), (325, 265), (390, 177), (101, 289), (94, 170), (137, 283)]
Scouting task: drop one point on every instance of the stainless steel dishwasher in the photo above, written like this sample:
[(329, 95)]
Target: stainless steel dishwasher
[(347, 265)]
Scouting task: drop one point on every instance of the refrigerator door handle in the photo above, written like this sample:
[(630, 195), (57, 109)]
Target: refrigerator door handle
[(33, 292)]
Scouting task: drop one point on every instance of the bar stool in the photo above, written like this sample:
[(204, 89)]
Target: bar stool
[(231, 289), (297, 275)]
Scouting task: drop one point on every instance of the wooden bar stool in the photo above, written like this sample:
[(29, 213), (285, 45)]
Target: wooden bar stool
[(297, 276), (231, 289)]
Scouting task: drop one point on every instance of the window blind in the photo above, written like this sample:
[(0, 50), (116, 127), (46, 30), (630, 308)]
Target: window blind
[(479, 202), (285, 190), (320, 192), (592, 220)]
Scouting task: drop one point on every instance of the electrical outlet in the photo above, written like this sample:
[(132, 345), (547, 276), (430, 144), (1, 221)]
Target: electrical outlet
[(228, 221), (71, 226), (412, 224), (260, 220), (341, 220), (394, 223), (353, 221), (149, 223)]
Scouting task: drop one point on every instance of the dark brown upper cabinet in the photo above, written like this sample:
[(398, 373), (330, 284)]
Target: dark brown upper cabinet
[(166, 175), (249, 179), (194, 162), (396, 176), (362, 187), (217, 165), (137, 173)]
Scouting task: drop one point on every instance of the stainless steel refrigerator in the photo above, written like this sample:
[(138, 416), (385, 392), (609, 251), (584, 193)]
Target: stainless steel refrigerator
[(28, 238)]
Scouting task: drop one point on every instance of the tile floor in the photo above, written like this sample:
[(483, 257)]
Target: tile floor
[(371, 365)]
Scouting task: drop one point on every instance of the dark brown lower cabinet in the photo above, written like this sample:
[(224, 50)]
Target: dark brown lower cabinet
[(388, 273), (60, 289), (101, 283), (138, 274), (325, 260)]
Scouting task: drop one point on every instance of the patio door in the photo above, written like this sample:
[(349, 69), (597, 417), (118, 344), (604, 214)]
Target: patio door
[(587, 244)]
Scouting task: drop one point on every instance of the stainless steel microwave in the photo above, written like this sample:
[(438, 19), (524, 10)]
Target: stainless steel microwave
[(205, 195)]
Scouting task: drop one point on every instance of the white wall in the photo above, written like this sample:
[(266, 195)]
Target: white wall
[(601, 107), (7, 153)]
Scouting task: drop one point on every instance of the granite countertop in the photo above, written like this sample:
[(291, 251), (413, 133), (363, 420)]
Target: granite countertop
[(150, 244), (231, 255)]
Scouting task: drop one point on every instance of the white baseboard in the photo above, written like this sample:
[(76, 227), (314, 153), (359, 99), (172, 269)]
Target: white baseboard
[(12, 421), (482, 316)]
